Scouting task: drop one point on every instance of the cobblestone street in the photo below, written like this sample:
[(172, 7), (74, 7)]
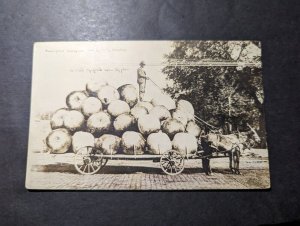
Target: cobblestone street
[(55, 173)]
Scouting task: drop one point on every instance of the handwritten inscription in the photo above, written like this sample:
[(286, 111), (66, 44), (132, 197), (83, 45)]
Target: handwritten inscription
[(88, 69), (97, 50), (99, 70)]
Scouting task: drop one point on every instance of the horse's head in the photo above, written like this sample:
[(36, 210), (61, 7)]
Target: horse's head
[(249, 138), (253, 134)]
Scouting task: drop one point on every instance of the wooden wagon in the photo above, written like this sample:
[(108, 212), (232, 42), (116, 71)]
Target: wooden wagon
[(90, 160)]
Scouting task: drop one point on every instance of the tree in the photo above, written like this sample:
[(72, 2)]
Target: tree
[(220, 94)]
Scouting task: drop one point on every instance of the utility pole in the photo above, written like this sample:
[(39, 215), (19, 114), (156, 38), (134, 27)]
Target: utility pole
[(229, 105), (229, 112)]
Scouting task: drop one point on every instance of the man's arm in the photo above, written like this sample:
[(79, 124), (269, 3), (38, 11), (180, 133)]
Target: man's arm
[(142, 73)]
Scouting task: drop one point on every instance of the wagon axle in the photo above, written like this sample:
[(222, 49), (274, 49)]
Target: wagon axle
[(89, 160)]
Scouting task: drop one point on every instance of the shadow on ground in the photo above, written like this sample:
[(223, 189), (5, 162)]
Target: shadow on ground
[(223, 171), (69, 168)]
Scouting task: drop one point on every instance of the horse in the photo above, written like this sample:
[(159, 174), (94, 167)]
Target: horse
[(231, 145)]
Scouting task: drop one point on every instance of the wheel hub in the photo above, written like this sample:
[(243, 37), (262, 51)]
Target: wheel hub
[(87, 160), (172, 163)]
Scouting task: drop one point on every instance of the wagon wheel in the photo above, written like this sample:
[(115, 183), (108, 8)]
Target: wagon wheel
[(88, 160), (172, 162), (104, 161)]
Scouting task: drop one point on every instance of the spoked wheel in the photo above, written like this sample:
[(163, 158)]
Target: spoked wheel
[(172, 162), (88, 160), (104, 161)]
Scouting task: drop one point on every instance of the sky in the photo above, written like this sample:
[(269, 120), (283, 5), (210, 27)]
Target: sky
[(62, 67)]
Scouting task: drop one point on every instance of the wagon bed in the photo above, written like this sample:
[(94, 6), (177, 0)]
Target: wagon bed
[(90, 160), (155, 157)]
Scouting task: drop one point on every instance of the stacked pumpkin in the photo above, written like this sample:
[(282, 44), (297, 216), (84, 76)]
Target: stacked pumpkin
[(114, 121)]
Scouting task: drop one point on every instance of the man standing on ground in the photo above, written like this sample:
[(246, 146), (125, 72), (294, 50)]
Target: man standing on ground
[(141, 80)]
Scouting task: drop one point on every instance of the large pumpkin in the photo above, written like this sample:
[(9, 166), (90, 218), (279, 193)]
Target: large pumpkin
[(172, 126), (57, 119), (108, 144), (185, 106), (158, 143), (75, 99), (107, 94), (90, 106), (99, 122), (185, 143), (164, 100), (133, 143), (124, 122), (160, 112), (118, 107), (181, 117), (74, 120), (138, 111), (129, 94), (145, 104), (148, 124), (82, 139), (59, 141), (93, 87), (193, 128)]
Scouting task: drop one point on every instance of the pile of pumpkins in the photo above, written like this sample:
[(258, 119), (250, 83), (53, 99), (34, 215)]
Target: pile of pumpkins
[(116, 122)]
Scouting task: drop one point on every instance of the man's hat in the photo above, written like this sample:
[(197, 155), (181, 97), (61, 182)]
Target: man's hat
[(142, 63)]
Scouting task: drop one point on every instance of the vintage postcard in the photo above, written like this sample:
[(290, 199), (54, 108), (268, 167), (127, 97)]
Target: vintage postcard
[(147, 115)]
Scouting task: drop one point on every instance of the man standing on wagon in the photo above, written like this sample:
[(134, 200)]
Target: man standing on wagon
[(141, 80)]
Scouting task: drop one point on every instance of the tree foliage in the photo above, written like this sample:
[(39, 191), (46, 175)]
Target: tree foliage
[(219, 94)]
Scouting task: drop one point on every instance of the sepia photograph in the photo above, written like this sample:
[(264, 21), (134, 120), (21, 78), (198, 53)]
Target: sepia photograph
[(147, 115)]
